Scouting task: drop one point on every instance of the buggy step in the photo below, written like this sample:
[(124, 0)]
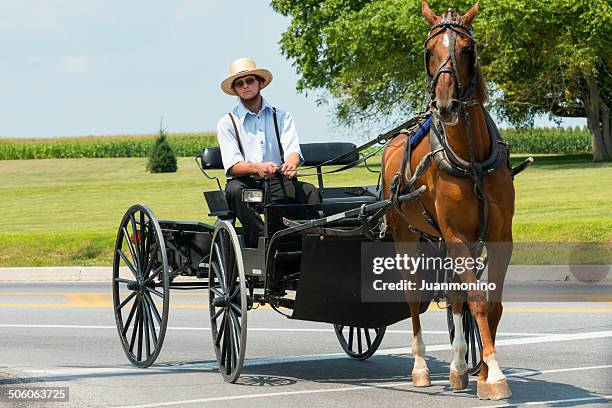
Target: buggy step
[(290, 256)]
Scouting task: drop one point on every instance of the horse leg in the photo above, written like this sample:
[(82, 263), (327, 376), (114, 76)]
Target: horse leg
[(499, 259), (420, 371), (458, 376), (496, 386)]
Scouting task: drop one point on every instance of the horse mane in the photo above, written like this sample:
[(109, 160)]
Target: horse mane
[(480, 90)]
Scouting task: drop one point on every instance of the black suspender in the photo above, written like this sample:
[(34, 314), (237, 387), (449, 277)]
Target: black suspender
[(278, 139), (237, 135), (280, 146)]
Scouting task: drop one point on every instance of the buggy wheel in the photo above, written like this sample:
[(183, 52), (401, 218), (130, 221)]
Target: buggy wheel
[(140, 286), (358, 342), (227, 300), (472, 338)]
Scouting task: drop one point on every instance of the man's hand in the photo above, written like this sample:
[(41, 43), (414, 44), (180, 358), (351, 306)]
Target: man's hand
[(266, 169), (289, 168)]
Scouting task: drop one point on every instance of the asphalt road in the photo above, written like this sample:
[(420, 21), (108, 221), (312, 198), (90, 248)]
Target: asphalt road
[(63, 334)]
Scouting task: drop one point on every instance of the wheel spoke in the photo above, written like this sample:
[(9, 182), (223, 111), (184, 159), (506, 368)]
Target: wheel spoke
[(216, 291), (152, 306), (146, 328), (135, 328), (154, 275), (234, 282), (224, 345), (236, 323), (136, 247), (221, 276), (229, 347), (150, 258), (367, 337), (350, 343), (216, 315), (129, 319), (235, 293), (151, 290), (141, 321), (234, 343), (127, 299), (236, 308), (132, 250), (121, 280), (359, 339), (141, 242), (220, 330), (151, 323), (128, 263)]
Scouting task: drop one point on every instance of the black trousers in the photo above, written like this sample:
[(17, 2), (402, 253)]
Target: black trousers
[(290, 191)]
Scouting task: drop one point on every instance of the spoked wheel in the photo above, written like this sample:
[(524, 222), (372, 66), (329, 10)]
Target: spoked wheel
[(358, 342), (472, 338), (140, 285), (228, 302)]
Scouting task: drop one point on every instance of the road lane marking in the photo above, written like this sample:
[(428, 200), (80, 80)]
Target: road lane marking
[(83, 300), (263, 329), (330, 356), (364, 387), (82, 304), (600, 398)]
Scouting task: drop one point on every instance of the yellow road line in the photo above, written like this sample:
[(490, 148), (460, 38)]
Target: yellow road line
[(106, 305)]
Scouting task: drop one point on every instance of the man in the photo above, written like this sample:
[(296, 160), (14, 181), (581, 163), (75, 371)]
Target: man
[(257, 141)]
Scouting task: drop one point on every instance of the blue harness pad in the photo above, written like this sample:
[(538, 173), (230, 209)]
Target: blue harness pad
[(420, 134)]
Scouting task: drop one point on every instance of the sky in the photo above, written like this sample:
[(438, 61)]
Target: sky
[(102, 67)]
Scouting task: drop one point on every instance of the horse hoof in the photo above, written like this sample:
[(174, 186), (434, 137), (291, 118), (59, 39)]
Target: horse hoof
[(499, 390), (421, 378), (459, 381), (482, 390)]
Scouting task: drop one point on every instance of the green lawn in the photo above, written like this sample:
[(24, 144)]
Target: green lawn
[(66, 211)]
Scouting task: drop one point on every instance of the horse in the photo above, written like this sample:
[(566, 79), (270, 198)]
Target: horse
[(469, 196)]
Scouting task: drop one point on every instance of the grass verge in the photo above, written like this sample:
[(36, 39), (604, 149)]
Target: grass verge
[(61, 212)]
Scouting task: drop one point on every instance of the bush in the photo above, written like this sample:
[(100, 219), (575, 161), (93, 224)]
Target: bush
[(161, 156)]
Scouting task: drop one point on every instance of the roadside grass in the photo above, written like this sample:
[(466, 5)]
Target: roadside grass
[(59, 212)]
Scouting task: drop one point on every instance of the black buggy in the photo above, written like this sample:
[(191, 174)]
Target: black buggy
[(306, 267)]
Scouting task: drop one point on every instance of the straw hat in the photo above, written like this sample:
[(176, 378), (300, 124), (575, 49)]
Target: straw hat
[(242, 67)]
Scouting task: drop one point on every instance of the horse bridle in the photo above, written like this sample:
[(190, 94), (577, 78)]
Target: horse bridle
[(453, 28)]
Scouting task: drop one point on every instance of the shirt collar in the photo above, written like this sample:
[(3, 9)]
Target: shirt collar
[(242, 110)]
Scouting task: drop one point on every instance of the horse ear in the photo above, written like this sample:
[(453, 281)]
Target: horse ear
[(470, 15), (429, 15)]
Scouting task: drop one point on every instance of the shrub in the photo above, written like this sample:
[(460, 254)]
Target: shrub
[(161, 156)]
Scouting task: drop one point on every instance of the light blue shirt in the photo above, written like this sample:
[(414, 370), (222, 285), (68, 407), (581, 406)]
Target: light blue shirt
[(257, 136)]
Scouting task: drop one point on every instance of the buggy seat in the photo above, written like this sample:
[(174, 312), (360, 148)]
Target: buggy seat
[(317, 155)]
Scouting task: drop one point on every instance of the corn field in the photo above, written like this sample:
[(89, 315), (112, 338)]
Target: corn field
[(183, 144), (548, 140), (536, 140)]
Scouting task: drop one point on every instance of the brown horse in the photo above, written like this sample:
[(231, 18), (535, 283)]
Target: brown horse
[(457, 203)]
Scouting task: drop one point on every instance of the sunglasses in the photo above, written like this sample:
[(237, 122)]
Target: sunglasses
[(239, 83)]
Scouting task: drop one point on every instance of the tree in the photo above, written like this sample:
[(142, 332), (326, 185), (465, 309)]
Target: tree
[(541, 56), (161, 156)]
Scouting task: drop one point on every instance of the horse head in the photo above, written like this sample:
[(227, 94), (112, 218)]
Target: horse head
[(451, 62)]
